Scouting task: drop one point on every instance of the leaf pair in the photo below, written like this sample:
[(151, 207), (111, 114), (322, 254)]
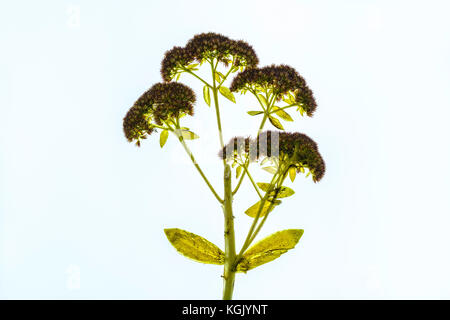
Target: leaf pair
[(223, 91), (268, 249), (199, 249)]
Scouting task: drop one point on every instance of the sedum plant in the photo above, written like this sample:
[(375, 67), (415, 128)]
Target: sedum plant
[(278, 89)]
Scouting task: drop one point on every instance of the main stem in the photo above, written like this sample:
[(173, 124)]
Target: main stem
[(227, 205), (230, 246)]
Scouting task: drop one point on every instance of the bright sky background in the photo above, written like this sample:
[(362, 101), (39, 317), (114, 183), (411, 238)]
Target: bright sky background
[(78, 202)]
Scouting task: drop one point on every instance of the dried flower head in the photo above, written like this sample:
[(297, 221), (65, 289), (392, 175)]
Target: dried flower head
[(280, 80), (292, 149), (212, 45), (173, 59), (163, 101), (235, 147), (136, 124)]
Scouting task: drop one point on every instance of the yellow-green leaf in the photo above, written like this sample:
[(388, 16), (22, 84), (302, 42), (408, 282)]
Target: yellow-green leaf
[(163, 137), (238, 171), (292, 173), (263, 186), (188, 135), (217, 77), (207, 95), (276, 123), (195, 247), (227, 94), (254, 113), (253, 210), (269, 249), (282, 114), (271, 170), (262, 99), (283, 192), (289, 99)]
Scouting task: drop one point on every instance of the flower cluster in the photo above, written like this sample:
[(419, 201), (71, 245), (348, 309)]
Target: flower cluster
[(163, 101), (136, 124), (292, 149), (280, 80), (208, 46), (213, 45), (174, 58)]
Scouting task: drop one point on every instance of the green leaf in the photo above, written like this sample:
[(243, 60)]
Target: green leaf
[(207, 95), (262, 99), (289, 99), (238, 171), (227, 93), (292, 173), (269, 249), (253, 210), (163, 137), (282, 114), (283, 192), (188, 135), (254, 113), (271, 170), (217, 76), (193, 66), (263, 186), (276, 123), (195, 247)]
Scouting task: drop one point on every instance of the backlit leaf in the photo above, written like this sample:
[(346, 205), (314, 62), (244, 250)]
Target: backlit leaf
[(207, 95), (238, 171), (276, 123), (227, 94), (269, 249), (187, 134), (254, 113), (292, 173), (282, 114), (271, 170), (163, 137), (283, 192), (253, 210), (262, 99), (195, 247)]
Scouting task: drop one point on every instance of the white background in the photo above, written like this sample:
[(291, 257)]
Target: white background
[(82, 211)]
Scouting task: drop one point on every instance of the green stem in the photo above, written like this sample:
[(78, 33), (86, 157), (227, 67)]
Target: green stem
[(285, 107), (191, 156), (192, 73), (216, 105), (229, 271), (253, 182)]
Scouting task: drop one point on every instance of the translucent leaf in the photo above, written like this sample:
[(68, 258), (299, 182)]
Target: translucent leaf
[(262, 99), (276, 123), (269, 249), (195, 247), (283, 192), (289, 99), (271, 170), (292, 173), (188, 135), (217, 77), (207, 95), (253, 210), (282, 114), (254, 113), (193, 66), (163, 137), (238, 171), (227, 93)]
